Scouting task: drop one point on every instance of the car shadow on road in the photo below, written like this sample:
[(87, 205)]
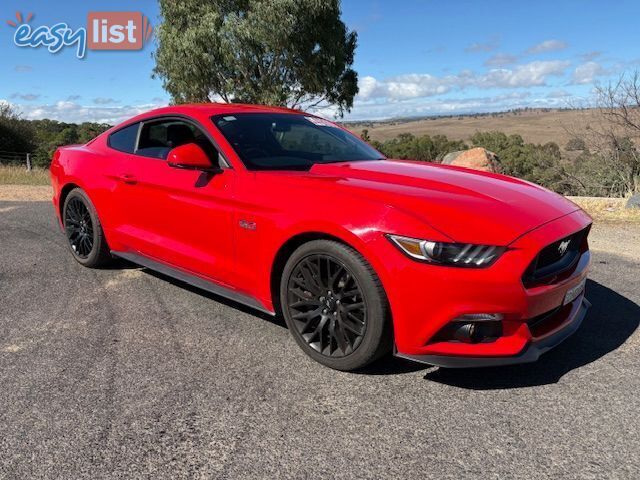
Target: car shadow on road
[(275, 319), (117, 263), (611, 320)]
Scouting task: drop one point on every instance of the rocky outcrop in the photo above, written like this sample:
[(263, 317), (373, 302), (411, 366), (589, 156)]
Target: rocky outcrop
[(634, 201), (477, 158)]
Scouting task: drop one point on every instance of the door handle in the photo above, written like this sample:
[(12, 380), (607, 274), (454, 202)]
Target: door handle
[(128, 179)]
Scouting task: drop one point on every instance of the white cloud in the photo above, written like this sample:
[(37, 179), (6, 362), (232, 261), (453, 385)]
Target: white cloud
[(547, 46), (558, 94), (419, 85), (588, 56), (587, 73), (413, 94), (404, 86), (69, 111), (528, 75), (416, 107), (104, 101), (500, 60), (367, 87), (25, 96), (488, 46)]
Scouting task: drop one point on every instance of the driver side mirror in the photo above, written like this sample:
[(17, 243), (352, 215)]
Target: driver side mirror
[(191, 156)]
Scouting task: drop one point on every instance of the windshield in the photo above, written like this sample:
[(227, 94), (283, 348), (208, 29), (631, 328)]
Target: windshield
[(283, 141)]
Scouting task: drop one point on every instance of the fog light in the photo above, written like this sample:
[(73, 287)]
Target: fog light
[(467, 333), (476, 332), (472, 328)]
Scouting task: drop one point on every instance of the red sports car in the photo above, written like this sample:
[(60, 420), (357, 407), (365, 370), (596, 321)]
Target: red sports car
[(294, 215)]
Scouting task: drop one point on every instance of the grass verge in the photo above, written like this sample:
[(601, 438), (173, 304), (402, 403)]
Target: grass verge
[(12, 175), (604, 209)]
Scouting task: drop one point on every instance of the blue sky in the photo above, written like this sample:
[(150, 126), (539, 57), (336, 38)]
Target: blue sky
[(413, 58)]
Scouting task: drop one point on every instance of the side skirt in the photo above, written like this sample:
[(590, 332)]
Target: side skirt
[(194, 280)]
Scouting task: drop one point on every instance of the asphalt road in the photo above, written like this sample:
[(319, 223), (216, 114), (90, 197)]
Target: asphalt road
[(122, 373)]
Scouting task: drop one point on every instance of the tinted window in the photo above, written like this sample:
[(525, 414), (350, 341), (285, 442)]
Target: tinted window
[(125, 139), (158, 137), (281, 141)]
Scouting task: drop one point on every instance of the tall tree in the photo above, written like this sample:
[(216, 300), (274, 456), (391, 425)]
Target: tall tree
[(15, 134), (295, 53)]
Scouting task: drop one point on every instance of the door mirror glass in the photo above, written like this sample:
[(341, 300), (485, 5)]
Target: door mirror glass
[(190, 156)]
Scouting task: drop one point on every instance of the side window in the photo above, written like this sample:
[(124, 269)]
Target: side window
[(158, 137), (125, 138)]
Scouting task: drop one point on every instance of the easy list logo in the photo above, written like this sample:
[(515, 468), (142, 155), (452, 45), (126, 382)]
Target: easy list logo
[(104, 31)]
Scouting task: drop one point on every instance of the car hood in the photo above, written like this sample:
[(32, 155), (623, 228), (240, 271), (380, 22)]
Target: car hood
[(465, 205)]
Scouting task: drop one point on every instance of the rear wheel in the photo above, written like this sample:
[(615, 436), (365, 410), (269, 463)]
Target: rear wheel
[(335, 306), (84, 231)]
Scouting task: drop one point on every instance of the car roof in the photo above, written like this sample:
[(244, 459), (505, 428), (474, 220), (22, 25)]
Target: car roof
[(208, 109), (213, 109)]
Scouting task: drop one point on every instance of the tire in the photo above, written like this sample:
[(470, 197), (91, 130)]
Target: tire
[(83, 230), (340, 318)]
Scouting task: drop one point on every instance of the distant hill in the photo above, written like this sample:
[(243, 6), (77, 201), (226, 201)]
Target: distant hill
[(534, 125)]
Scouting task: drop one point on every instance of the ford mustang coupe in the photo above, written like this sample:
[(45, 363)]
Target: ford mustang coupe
[(291, 214)]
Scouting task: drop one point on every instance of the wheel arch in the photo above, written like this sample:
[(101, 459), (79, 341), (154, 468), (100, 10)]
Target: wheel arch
[(283, 254), (64, 192), (293, 243)]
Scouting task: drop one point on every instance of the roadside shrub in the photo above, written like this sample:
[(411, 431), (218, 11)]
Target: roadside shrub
[(536, 163), (575, 144), (425, 148), (612, 171), (610, 168)]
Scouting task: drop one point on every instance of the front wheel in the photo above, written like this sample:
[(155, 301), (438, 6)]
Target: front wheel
[(84, 231), (335, 306)]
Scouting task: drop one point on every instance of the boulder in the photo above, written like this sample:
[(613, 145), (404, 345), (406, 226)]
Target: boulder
[(477, 158), (634, 201)]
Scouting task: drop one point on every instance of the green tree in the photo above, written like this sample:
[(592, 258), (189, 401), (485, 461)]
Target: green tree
[(88, 131), (16, 134), (295, 53), (425, 148), (51, 134)]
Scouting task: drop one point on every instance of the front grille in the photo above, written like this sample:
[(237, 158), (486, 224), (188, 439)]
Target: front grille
[(556, 259)]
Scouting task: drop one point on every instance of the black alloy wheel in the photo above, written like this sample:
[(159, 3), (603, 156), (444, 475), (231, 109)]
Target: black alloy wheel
[(335, 306), (79, 227), (83, 230), (327, 306)]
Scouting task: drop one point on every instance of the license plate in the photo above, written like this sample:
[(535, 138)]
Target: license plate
[(574, 292)]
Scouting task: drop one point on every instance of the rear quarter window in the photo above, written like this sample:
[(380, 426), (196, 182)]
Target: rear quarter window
[(125, 139)]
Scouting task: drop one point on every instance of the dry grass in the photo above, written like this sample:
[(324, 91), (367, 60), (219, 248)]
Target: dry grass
[(25, 193), (607, 209), (12, 175), (534, 126)]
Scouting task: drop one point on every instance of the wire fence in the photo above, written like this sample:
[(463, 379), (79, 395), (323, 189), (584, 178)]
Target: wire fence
[(25, 159)]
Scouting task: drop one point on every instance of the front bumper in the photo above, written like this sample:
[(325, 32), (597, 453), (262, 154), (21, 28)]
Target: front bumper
[(530, 353), (424, 299)]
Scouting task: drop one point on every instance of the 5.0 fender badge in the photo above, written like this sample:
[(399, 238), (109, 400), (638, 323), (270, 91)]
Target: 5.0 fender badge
[(247, 224)]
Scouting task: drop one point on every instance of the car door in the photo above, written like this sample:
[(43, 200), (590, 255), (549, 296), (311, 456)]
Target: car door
[(177, 216), (116, 167)]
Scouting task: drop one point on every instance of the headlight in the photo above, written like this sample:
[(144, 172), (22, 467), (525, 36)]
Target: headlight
[(451, 254)]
